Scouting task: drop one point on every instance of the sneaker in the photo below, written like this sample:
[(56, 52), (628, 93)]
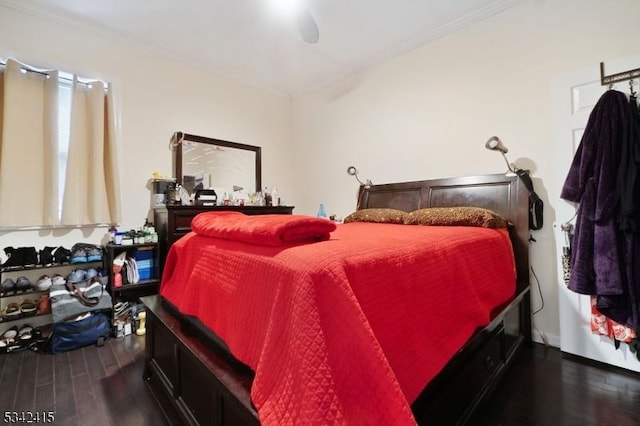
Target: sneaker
[(43, 283), (23, 284), (58, 279), (29, 256), (91, 273), (7, 286), (94, 254), (79, 256), (61, 255), (77, 276), (46, 256), (14, 257)]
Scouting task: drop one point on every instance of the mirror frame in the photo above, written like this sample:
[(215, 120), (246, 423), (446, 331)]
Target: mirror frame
[(177, 153)]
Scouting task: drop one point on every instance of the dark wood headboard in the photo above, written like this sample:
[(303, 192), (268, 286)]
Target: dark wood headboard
[(504, 194)]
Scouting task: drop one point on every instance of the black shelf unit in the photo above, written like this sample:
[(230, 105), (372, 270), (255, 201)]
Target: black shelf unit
[(144, 287)]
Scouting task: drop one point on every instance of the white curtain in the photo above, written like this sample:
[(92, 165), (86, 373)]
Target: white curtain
[(28, 147), (29, 151), (91, 186)]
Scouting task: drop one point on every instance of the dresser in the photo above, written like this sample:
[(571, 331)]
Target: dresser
[(173, 222)]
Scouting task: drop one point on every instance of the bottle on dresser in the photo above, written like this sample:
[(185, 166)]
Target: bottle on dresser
[(267, 197)]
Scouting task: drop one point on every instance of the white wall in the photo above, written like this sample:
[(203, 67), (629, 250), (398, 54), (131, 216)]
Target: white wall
[(427, 113), (156, 96)]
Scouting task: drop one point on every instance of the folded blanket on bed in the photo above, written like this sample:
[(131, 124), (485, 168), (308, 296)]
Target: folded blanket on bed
[(264, 230)]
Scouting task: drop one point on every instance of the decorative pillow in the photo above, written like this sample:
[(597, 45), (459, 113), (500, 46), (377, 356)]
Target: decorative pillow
[(456, 216), (377, 216)]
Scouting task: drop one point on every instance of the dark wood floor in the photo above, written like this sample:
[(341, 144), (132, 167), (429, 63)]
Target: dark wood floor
[(545, 387), (103, 386), (90, 386)]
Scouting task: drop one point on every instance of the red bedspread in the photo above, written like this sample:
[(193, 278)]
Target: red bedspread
[(348, 330)]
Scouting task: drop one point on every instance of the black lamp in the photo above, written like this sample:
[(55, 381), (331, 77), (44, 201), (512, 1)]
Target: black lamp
[(351, 170), (495, 144)]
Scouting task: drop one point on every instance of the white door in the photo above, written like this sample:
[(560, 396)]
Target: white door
[(574, 96)]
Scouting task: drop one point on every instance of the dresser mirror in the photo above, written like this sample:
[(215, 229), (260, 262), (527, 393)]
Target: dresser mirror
[(202, 163)]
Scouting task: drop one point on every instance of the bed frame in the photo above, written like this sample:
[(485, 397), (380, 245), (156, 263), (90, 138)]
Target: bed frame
[(196, 381)]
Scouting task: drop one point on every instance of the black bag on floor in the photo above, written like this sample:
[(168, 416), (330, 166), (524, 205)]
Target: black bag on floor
[(69, 335)]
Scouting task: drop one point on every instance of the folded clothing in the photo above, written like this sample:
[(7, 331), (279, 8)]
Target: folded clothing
[(267, 230)]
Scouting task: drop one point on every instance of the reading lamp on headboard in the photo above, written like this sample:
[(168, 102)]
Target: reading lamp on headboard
[(535, 202), (351, 170), (495, 144)]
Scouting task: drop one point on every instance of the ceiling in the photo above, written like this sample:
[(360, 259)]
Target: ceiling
[(249, 41)]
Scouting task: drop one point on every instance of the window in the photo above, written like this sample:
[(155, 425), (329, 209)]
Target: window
[(64, 122), (47, 119)]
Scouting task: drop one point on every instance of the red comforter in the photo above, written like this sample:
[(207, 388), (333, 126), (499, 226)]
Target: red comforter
[(348, 330)]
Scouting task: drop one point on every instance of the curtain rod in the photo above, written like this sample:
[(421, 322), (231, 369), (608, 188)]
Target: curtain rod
[(28, 69), (615, 78)]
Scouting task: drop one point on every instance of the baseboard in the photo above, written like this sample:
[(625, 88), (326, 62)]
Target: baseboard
[(547, 340)]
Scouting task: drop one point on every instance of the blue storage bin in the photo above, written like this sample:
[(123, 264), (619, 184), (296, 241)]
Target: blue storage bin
[(145, 273), (144, 264)]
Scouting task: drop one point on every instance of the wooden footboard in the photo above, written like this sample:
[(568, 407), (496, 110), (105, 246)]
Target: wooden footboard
[(192, 383)]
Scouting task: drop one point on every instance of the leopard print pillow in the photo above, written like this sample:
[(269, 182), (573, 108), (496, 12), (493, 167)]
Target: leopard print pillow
[(456, 216), (377, 216)]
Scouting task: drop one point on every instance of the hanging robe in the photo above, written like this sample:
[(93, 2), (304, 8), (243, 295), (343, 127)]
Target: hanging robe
[(600, 247)]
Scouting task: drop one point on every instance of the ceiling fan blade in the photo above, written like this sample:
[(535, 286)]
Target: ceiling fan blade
[(307, 26)]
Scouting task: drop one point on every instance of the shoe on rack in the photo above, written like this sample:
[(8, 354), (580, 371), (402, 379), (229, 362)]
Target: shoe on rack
[(46, 256), (26, 332), (28, 308), (43, 283), (94, 254), (14, 257), (7, 286), (78, 256), (44, 304), (23, 284), (61, 255), (90, 273), (10, 335), (29, 256), (77, 276), (3, 257), (12, 311), (57, 279)]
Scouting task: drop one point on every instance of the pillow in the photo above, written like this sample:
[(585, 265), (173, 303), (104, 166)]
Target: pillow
[(377, 216), (456, 216)]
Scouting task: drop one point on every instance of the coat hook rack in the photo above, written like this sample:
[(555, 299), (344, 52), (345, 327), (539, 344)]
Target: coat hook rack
[(614, 78)]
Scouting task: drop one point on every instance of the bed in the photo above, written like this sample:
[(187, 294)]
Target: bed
[(368, 373)]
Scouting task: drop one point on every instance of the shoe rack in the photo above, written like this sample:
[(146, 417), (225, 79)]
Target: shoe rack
[(33, 274)]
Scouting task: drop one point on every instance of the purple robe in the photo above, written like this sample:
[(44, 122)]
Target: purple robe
[(599, 247)]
